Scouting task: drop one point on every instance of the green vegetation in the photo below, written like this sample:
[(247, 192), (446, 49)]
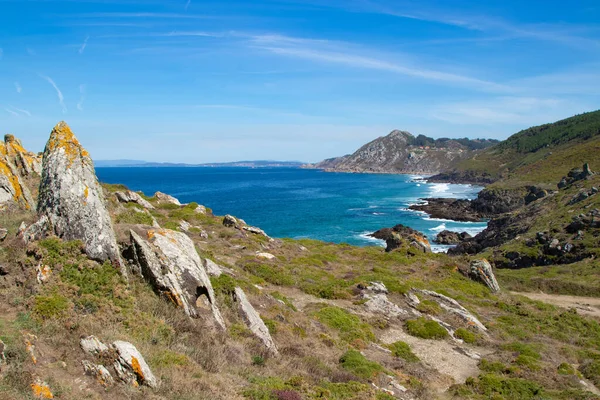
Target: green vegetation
[(50, 306), (466, 335), (356, 363), (429, 307), (591, 370), (402, 350), (131, 216), (426, 329), (349, 326), (497, 386)]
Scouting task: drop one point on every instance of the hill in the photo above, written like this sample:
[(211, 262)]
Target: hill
[(401, 152), (539, 155)]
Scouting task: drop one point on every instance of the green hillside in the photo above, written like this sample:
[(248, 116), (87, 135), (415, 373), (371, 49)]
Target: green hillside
[(541, 154)]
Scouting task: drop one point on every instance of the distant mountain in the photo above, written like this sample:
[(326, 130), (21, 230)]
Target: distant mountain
[(241, 164), (540, 154), (401, 152)]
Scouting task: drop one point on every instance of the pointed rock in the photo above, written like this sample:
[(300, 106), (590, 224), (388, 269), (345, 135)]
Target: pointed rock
[(169, 261), (252, 319), (164, 198), (481, 270), (133, 197), (72, 199)]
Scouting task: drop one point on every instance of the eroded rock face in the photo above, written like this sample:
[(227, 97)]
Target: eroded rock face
[(12, 188), (481, 270), (27, 163), (169, 261), (92, 345), (72, 199), (377, 301), (99, 372), (133, 197), (449, 237), (230, 221), (131, 362), (252, 319), (402, 236)]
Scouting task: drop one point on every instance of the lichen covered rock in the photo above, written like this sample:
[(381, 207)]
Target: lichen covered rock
[(72, 199), (401, 236), (481, 270), (12, 188), (169, 261), (133, 197), (99, 372), (131, 363), (27, 163), (164, 198), (92, 345), (252, 319)]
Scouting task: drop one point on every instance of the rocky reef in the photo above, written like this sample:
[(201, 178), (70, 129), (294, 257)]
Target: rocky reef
[(401, 236)]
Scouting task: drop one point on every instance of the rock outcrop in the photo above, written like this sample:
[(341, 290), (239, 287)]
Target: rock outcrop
[(26, 162), (164, 198), (99, 372), (169, 261), (574, 175), (377, 301), (133, 197), (12, 187), (252, 319), (451, 238), (72, 199), (401, 236), (481, 270)]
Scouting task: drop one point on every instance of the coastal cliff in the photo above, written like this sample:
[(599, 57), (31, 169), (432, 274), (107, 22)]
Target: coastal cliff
[(402, 153)]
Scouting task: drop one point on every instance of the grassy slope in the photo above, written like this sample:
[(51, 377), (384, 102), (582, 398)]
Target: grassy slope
[(316, 337), (542, 154)]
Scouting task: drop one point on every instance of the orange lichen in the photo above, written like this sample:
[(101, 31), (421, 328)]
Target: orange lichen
[(63, 138), (137, 368), (30, 349), (15, 183), (151, 234), (86, 192), (174, 298), (41, 391)]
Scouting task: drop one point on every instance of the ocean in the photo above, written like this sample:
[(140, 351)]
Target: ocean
[(303, 203)]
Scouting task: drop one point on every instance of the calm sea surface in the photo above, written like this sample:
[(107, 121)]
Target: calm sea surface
[(299, 203)]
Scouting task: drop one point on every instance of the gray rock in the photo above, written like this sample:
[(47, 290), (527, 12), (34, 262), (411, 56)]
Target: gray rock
[(72, 199), (132, 363), (133, 197), (92, 345), (169, 261), (378, 302), (254, 322), (230, 221), (200, 209), (35, 231), (212, 268), (481, 270), (2, 356), (568, 247), (453, 306), (256, 231), (99, 372), (3, 234), (164, 198)]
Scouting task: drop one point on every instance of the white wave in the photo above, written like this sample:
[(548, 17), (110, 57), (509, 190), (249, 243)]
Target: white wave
[(365, 236), (376, 213), (438, 228), (438, 188), (439, 248), (418, 184), (437, 219)]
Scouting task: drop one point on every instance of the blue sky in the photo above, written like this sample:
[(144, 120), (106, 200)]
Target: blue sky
[(205, 81)]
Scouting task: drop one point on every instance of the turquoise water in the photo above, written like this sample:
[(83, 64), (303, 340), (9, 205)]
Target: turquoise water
[(299, 203)]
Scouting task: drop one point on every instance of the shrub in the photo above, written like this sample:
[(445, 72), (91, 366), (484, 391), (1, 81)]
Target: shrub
[(258, 360), (286, 301), (429, 307), (591, 370), (168, 358), (566, 369), (354, 362), (495, 386), (271, 325), (426, 329), (402, 350), (466, 335), (51, 306), (131, 216), (287, 395), (349, 326)]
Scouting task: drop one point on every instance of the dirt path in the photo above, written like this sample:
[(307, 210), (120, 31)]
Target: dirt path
[(584, 305)]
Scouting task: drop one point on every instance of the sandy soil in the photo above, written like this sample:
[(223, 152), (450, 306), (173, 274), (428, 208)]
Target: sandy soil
[(584, 305)]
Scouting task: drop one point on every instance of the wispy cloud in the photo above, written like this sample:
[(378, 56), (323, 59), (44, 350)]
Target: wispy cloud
[(18, 87), (18, 110), (61, 99), (187, 4), (82, 90), (338, 53), (84, 45)]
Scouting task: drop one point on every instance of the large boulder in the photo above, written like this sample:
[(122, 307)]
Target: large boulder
[(169, 261), (133, 197), (449, 237), (72, 199), (164, 198), (401, 236), (252, 319)]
